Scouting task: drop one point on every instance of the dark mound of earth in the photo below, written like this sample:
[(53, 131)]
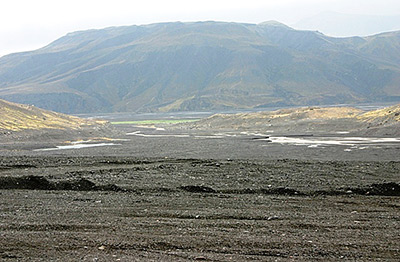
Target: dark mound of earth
[(378, 189), (77, 185), (198, 189), (383, 189), (283, 191), (26, 182), (41, 183), (82, 184)]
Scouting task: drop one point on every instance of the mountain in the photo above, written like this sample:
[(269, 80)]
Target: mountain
[(345, 25), (18, 117), (202, 66)]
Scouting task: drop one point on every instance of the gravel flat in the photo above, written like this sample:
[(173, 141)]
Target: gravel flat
[(198, 198)]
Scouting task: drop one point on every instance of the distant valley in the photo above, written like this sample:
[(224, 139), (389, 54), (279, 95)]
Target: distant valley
[(202, 66)]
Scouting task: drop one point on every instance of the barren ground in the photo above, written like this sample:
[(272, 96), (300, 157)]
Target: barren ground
[(172, 198)]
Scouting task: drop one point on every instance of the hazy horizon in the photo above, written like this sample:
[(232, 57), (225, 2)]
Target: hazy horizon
[(27, 25)]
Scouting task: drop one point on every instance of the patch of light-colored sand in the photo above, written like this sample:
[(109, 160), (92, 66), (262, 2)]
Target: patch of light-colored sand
[(345, 141), (76, 146)]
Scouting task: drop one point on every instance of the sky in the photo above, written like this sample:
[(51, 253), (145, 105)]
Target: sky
[(28, 25)]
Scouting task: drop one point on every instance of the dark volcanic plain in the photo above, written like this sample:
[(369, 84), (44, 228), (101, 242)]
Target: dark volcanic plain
[(192, 195)]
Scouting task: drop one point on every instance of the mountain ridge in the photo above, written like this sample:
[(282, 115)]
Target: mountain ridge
[(202, 66)]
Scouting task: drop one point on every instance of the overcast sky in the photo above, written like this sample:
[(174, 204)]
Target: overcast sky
[(31, 24)]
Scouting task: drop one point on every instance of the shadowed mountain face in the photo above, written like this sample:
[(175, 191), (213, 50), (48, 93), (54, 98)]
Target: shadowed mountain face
[(202, 66)]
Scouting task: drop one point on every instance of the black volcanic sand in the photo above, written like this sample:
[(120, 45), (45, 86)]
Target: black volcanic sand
[(188, 199)]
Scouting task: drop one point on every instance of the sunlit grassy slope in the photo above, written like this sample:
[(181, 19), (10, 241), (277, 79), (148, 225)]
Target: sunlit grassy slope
[(388, 114), (310, 113), (304, 116), (16, 117)]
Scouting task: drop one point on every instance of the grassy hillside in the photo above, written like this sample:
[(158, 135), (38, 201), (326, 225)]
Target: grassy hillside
[(305, 119), (385, 115), (202, 66), (17, 117)]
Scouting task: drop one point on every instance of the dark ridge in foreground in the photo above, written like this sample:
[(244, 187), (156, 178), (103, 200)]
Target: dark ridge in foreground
[(198, 189), (41, 183), (380, 189)]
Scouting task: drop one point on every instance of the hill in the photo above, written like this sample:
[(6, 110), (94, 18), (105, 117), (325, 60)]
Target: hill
[(327, 120), (382, 116), (202, 66), (18, 117)]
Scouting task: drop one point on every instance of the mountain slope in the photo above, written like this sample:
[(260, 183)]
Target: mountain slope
[(17, 117), (202, 66), (382, 116)]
